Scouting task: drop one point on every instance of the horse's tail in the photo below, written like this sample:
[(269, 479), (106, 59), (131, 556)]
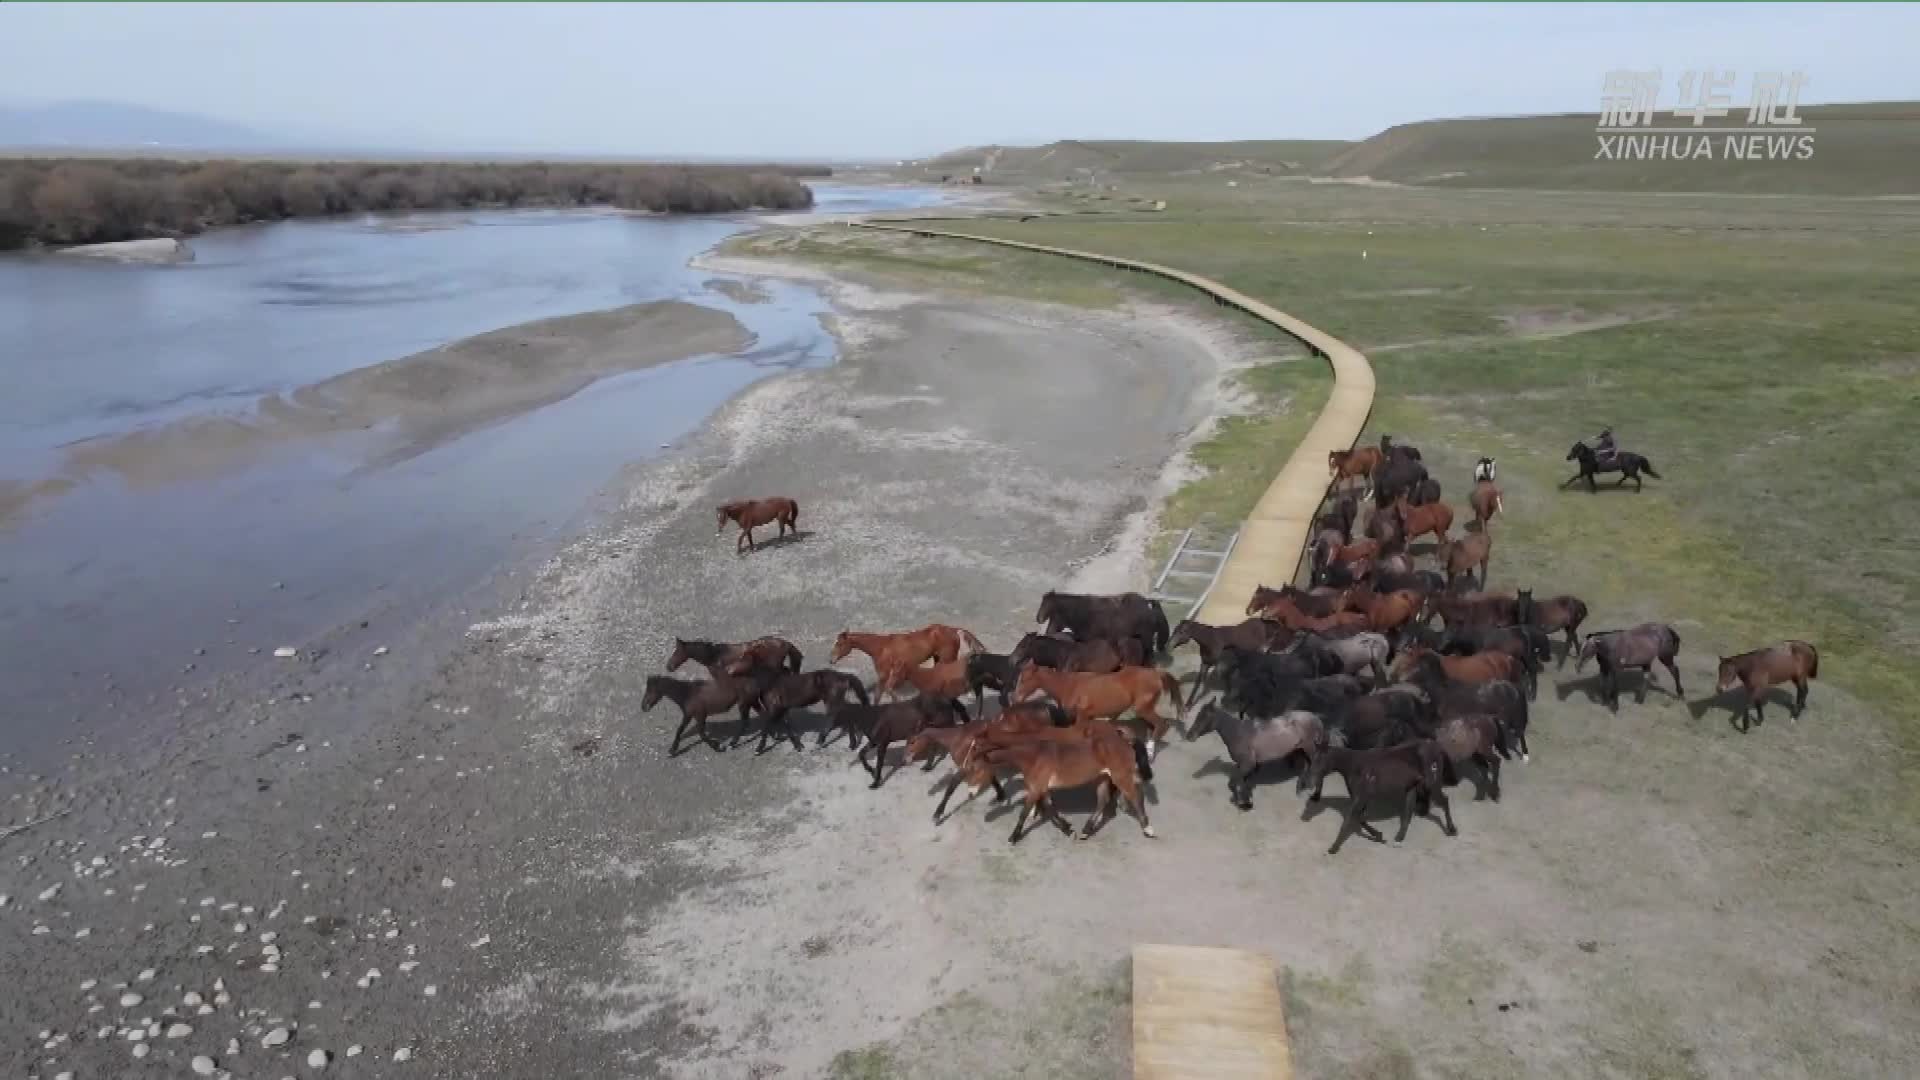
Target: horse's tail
[(1810, 656), (1576, 612), (793, 656), (1162, 633), (1647, 467), (972, 642), (1140, 760), (1172, 686), (793, 514), (859, 691)]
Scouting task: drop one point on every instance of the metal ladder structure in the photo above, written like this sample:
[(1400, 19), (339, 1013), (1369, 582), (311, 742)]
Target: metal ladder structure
[(1212, 559)]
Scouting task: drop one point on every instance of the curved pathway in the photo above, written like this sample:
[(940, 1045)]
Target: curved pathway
[(1273, 539)]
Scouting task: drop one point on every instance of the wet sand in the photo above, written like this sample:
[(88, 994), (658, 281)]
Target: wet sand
[(469, 799)]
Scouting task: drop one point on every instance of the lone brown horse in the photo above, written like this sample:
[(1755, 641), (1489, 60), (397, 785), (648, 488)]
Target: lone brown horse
[(1435, 518), (750, 514), (1762, 669)]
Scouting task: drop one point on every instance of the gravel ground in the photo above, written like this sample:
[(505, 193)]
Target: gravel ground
[(460, 842)]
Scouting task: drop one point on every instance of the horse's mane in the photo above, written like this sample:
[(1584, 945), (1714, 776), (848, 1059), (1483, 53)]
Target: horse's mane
[(695, 648)]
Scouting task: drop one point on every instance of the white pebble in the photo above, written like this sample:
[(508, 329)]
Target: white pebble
[(136, 1034), (403, 1054), (222, 1000), (62, 1076), (269, 968), (179, 1031), (141, 1050), (38, 930), (285, 652), (276, 1037), (431, 990), (83, 932), (90, 984), (354, 1050), (146, 975), (193, 998), (446, 883), (318, 1059), (204, 1010), (483, 940), (313, 1004), (130, 999), (98, 860), (207, 901), (51, 892), (268, 937), (203, 1065), (407, 966), (381, 651), (239, 928)]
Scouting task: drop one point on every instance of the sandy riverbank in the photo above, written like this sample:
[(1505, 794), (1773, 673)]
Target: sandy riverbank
[(473, 801)]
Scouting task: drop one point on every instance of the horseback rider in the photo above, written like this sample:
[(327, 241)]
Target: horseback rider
[(1603, 448)]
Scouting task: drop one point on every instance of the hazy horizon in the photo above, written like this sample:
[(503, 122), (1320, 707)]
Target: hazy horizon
[(873, 81)]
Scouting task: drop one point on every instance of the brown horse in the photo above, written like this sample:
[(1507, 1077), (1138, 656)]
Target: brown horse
[(698, 700), (722, 658), (947, 679), (1477, 609), (1417, 521), (1460, 557), (750, 514), (1344, 465), (1048, 766), (1318, 602), (934, 641), (1339, 624), (1409, 773), (1477, 668), (1762, 669), (1486, 502), (1086, 696), (1556, 614), (1389, 613), (1254, 635)]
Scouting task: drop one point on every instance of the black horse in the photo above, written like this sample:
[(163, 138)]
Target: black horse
[(1625, 462)]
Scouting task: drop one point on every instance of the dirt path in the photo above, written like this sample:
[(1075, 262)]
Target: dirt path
[(465, 840)]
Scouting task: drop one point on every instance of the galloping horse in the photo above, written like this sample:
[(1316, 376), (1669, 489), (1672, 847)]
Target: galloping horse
[(1628, 464), (750, 514)]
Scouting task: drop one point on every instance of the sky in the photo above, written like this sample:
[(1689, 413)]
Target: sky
[(877, 80)]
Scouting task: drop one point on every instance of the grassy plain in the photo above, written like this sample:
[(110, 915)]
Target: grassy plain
[(1741, 903)]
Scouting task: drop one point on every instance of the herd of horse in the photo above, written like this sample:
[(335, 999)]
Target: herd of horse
[(1397, 669)]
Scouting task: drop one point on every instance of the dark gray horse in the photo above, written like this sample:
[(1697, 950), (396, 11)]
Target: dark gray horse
[(1639, 647)]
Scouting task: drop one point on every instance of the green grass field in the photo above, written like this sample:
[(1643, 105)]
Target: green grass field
[(1749, 892)]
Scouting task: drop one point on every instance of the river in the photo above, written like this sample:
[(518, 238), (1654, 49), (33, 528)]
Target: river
[(116, 598)]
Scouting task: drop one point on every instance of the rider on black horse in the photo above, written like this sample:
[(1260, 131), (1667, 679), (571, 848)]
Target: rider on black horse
[(1603, 448)]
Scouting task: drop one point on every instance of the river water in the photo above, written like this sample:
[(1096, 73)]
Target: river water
[(115, 599)]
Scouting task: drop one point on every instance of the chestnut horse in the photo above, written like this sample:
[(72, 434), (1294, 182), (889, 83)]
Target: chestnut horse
[(750, 514), (1760, 670), (1087, 696), (1050, 766), (1435, 518), (934, 641), (1477, 668), (1344, 465), (1389, 613), (1486, 502), (948, 679)]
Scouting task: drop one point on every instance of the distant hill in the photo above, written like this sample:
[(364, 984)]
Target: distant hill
[(1864, 149), (103, 125), (1087, 159)]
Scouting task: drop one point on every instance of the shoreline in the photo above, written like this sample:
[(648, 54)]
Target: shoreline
[(489, 749)]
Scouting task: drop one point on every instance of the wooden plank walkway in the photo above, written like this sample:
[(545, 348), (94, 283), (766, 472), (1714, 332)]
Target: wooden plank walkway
[(1207, 1014)]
